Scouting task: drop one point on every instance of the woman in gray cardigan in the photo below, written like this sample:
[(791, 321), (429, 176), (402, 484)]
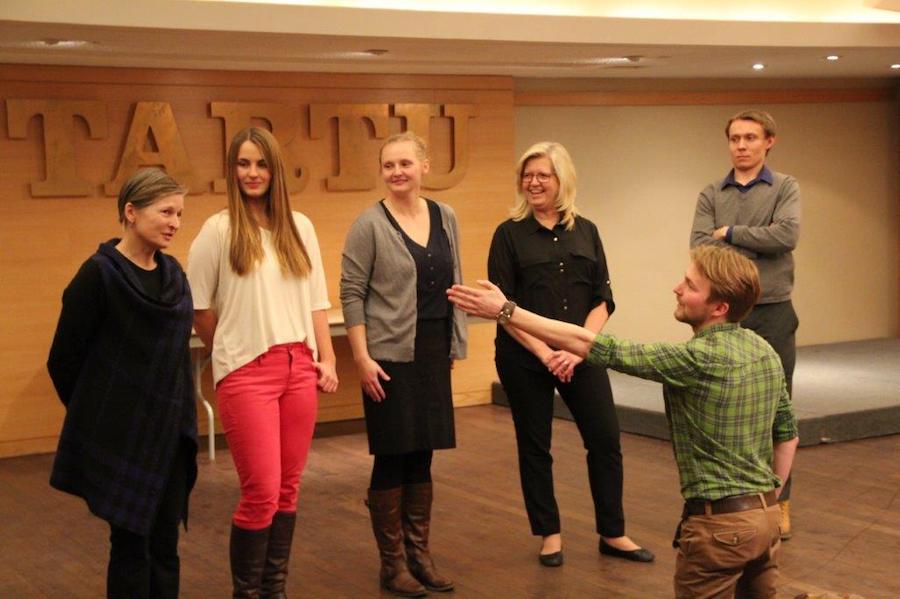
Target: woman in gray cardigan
[(399, 258)]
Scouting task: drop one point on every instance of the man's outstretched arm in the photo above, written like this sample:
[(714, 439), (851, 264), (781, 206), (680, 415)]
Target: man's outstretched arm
[(488, 302)]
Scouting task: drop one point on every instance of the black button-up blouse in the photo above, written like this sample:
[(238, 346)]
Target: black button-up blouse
[(553, 272)]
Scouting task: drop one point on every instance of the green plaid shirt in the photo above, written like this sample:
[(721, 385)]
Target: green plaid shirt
[(726, 403)]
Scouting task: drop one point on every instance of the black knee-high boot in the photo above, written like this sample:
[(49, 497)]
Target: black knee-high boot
[(281, 536), (248, 558)]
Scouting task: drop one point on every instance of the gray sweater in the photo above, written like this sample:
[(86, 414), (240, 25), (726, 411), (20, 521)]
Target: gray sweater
[(378, 285), (765, 223)]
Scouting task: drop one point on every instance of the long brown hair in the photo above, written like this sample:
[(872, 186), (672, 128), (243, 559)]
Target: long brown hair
[(246, 244)]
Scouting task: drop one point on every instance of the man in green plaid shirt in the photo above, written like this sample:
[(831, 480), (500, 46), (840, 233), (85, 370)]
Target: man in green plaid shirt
[(733, 428)]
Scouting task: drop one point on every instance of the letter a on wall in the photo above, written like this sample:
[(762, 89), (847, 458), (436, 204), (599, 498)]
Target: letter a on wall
[(153, 122)]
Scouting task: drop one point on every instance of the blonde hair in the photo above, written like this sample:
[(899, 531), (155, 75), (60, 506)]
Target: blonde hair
[(418, 142), (733, 278), (565, 173), (145, 187), (246, 244)]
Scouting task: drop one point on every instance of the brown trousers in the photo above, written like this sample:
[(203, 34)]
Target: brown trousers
[(729, 555)]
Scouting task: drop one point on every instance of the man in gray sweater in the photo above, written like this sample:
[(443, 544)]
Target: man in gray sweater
[(756, 212)]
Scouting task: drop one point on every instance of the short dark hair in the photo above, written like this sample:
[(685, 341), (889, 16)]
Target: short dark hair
[(145, 187), (733, 278)]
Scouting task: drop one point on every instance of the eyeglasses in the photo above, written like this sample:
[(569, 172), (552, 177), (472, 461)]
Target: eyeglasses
[(541, 177)]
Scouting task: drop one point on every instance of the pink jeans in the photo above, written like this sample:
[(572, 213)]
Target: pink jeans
[(268, 410)]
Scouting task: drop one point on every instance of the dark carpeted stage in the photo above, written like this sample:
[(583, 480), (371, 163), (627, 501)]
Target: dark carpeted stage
[(842, 392)]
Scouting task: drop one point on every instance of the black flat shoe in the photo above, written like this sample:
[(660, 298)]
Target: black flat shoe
[(551, 560), (635, 555)]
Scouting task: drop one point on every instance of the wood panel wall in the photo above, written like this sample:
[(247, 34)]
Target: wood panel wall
[(46, 233)]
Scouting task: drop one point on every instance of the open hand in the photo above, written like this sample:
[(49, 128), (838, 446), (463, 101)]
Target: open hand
[(486, 302), (370, 377)]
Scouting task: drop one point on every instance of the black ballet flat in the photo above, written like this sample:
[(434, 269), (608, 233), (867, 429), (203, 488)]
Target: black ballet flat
[(551, 560), (635, 555)]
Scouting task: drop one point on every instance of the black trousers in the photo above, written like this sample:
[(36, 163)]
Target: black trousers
[(777, 324), (144, 567), (589, 398)]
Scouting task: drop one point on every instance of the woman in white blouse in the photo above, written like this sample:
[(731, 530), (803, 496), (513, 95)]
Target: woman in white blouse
[(260, 304)]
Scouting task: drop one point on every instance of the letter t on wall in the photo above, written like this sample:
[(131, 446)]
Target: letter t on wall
[(355, 168), (59, 139)]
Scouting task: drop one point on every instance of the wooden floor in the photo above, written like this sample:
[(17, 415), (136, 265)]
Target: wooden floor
[(846, 514)]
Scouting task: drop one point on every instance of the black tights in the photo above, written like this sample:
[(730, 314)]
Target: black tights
[(392, 471)]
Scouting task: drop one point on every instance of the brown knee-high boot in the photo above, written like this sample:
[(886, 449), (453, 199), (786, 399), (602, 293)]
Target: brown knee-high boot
[(384, 507), (278, 554), (248, 557), (417, 500)]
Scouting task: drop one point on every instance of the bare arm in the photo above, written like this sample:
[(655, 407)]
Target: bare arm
[(488, 302), (562, 363), (327, 364), (205, 322), (783, 459), (785, 436), (531, 343), (668, 363), (596, 318), (570, 337)]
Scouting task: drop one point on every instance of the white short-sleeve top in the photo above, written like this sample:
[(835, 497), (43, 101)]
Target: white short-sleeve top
[(260, 309)]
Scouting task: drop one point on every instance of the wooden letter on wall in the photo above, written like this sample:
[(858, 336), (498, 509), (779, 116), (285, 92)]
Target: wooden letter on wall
[(59, 139), (355, 168), (460, 114), (283, 122), (156, 119), (418, 118)]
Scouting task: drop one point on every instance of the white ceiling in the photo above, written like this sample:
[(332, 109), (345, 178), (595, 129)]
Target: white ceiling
[(524, 39)]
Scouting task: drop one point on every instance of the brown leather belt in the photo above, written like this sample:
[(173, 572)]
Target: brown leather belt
[(728, 505)]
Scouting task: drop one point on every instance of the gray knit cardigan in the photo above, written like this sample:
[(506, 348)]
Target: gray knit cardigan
[(378, 285)]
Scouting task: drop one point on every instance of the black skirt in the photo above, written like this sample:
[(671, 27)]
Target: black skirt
[(417, 411)]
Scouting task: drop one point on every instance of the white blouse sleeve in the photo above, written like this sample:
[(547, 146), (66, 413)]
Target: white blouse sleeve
[(203, 264), (318, 289)]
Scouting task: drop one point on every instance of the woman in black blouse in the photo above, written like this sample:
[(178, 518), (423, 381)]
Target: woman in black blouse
[(549, 260)]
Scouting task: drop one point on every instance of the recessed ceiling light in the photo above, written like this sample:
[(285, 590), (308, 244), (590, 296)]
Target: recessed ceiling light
[(832, 57), (758, 66), (896, 66)]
